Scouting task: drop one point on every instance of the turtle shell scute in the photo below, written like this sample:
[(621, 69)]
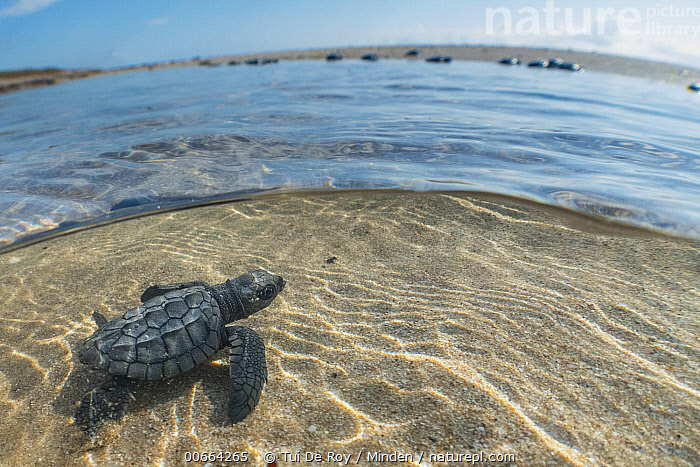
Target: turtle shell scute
[(177, 341), (186, 362), (167, 335), (135, 326), (131, 313), (177, 308), (154, 371), (151, 349), (124, 349), (195, 299), (170, 368), (137, 370), (156, 317)]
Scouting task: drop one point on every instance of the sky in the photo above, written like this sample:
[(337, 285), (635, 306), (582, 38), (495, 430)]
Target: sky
[(111, 33)]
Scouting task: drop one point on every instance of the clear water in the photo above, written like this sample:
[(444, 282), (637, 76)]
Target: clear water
[(622, 148), (412, 322)]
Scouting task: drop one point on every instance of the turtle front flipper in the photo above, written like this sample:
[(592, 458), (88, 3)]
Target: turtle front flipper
[(248, 371), (156, 290), (105, 403)]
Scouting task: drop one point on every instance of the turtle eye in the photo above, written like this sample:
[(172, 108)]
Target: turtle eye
[(266, 293)]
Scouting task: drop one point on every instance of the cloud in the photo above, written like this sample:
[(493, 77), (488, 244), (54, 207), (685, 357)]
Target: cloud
[(25, 7)]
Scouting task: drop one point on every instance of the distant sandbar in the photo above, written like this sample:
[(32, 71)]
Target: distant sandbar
[(675, 74)]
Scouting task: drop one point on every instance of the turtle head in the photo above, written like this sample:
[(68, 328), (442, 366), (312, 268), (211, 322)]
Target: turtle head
[(256, 290)]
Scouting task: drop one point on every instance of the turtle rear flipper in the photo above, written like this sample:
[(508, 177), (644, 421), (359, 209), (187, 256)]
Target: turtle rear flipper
[(248, 371), (105, 403), (157, 290), (99, 318)]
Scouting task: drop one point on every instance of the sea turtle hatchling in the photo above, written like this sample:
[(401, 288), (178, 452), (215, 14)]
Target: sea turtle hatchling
[(177, 327)]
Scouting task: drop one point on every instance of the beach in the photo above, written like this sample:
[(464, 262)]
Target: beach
[(414, 325), (648, 69)]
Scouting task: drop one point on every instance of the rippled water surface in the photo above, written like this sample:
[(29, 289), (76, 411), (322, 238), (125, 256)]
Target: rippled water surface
[(622, 148)]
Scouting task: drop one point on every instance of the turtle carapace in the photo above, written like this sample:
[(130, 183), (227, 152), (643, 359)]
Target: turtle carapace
[(177, 327)]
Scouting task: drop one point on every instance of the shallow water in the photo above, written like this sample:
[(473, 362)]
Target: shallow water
[(622, 148), (446, 324)]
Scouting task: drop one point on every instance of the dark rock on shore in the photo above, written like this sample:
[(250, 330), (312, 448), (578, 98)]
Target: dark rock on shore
[(439, 59), (510, 61), (555, 62), (571, 66)]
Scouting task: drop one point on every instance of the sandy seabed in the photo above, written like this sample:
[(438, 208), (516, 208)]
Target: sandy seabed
[(417, 325)]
